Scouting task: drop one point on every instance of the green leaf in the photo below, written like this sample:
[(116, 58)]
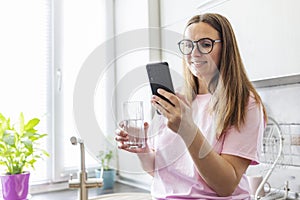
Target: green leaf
[(31, 124), (21, 123), (29, 134), (45, 153), (2, 118), (28, 144), (41, 135), (4, 124), (16, 170), (9, 139), (2, 146), (32, 161), (105, 158)]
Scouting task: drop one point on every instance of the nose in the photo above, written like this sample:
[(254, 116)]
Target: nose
[(195, 51)]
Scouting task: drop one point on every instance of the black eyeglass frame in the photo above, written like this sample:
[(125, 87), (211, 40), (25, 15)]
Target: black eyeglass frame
[(196, 42)]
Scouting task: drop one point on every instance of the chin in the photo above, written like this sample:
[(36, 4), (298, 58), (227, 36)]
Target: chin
[(197, 74)]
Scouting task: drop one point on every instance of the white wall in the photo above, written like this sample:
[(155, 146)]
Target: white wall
[(131, 24)]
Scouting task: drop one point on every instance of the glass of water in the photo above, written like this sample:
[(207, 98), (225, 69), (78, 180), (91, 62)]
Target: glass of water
[(133, 121)]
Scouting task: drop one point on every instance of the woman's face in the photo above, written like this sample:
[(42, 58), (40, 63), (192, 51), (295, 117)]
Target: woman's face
[(203, 65)]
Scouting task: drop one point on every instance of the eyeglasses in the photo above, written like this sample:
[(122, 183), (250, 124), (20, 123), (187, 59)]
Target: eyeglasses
[(204, 45)]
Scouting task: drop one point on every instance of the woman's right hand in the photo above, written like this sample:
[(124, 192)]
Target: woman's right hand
[(122, 137), (146, 155)]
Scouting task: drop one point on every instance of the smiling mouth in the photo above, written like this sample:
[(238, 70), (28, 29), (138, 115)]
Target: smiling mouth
[(199, 62)]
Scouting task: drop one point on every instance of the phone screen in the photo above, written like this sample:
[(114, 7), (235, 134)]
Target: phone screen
[(160, 77)]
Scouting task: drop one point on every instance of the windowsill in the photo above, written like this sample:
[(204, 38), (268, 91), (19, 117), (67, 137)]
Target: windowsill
[(53, 187), (50, 187)]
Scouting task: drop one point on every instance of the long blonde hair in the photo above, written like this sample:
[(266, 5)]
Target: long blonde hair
[(230, 88)]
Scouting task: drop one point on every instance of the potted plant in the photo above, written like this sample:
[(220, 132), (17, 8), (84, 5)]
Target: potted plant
[(108, 174), (19, 151)]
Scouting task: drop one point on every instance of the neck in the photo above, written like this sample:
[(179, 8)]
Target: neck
[(203, 86)]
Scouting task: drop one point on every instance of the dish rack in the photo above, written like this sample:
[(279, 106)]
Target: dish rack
[(272, 146)]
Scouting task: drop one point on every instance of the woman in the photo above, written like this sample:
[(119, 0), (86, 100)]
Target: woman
[(207, 140)]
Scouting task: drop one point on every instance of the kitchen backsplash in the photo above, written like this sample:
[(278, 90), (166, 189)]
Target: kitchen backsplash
[(282, 104), (281, 97)]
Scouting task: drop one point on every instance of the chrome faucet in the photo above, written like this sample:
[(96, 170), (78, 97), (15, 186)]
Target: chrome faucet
[(83, 183)]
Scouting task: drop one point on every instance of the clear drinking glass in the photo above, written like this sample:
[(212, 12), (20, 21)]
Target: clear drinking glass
[(133, 121)]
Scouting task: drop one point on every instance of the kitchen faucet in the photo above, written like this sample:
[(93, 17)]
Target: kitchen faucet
[(83, 183)]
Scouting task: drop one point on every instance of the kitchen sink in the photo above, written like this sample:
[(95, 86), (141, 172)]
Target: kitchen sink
[(280, 196), (124, 196)]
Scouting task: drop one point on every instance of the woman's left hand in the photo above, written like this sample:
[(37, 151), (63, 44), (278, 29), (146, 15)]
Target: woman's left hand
[(179, 114)]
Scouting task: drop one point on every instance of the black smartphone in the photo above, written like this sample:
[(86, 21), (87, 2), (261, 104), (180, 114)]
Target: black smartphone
[(160, 77)]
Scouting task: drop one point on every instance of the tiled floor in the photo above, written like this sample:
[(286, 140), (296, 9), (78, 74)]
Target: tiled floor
[(73, 194)]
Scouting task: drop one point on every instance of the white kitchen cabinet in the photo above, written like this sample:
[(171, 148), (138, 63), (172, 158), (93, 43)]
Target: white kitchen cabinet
[(268, 32)]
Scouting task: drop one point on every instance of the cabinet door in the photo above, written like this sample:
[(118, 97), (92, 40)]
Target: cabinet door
[(268, 34), (268, 31)]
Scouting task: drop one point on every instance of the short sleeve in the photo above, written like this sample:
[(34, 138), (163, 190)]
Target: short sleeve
[(246, 142)]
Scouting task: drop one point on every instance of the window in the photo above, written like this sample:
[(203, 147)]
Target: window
[(25, 66), (43, 45), (83, 31)]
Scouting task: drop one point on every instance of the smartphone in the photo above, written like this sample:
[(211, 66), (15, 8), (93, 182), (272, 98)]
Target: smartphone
[(160, 77)]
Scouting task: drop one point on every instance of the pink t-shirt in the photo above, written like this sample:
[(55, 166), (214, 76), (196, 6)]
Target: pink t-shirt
[(175, 176)]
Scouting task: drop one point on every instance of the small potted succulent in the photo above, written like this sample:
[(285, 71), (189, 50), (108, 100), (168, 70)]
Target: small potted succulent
[(108, 174), (19, 151)]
